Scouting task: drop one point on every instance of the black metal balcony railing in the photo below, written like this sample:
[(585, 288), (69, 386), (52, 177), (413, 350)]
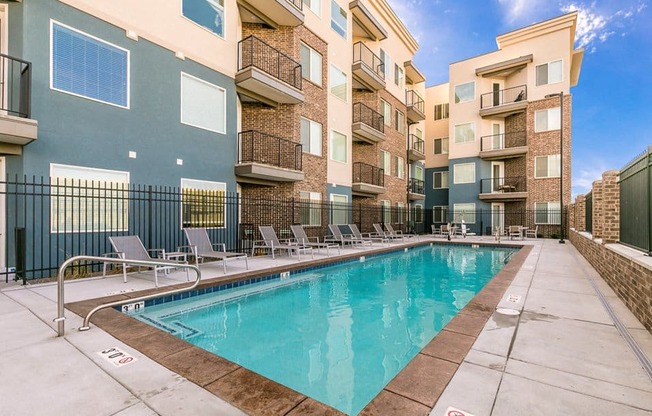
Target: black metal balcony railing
[(412, 98), (417, 186), (502, 97), (296, 3), (361, 53), (366, 115), (15, 86), (502, 184), (416, 143), (257, 147), (503, 141), (364, 173), (254, 52)]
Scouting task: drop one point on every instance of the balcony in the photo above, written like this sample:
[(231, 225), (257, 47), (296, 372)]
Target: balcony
[(365, 25), (368, 70), (367, 180), (503, 146), (266, 158), (266, 74), (272, 13), (412, 73), (368, 125), (415, 148), (415, 107), (503, 189), (17, 129), (416, 189), (503, 103)]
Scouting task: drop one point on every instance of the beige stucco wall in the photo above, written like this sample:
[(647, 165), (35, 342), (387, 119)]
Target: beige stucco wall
[(436, 94)]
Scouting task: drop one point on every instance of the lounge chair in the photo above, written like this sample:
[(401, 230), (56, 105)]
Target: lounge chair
[(202, 248), (129, 247), (339, 237), (382, 233), (301, 238), (355, 232), (271, 243), (391, 232)]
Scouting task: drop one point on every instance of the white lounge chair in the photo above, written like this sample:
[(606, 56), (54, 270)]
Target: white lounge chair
[(515, 231), (338, 236), (271, 243), (382, 233), (201, 247), (357, 235), (302, 238), (532, 233), (399, 233)]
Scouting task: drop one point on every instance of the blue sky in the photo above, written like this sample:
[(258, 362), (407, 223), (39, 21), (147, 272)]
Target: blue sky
[(612, 103)]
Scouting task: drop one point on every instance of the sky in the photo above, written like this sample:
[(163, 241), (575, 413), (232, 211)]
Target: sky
[(612, 103)]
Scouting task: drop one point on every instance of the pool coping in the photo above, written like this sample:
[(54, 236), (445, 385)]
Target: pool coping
[(414, 390)]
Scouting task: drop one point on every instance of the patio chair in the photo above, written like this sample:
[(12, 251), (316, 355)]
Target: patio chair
[(201, 247), (391, 232), (532, 233), (271, 243), (515, 231), (355, 232), (339, 237), (300, 237), (129, 247), (385, 234)]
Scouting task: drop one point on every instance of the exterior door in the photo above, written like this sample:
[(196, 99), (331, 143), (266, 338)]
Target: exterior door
[(497, 176), (497, 216), (497, 138), (496, 91)]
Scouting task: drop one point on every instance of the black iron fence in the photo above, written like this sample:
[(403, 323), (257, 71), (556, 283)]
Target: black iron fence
[(15, 86), (257, 147), (365, 173), (503, 184), (636, 202), (361, 53), (588, 213), (413, 99), (415, 143), (503, 141), (252, 51), (417, 186), (502, 97), (368, 116)]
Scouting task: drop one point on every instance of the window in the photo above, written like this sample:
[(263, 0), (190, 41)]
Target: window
[(310, 64), (441, 111), (547, 213), (400, 212), (311, 136), (338, 147), (418, 173), (465, 92), (549, 73), (208, 14), (418, 213), (385, 162), (203, 104), (465, 133), (88, 67), (545, 120), (338, 19), (400, 167), (464, 212), (547, 166), (387, 211), (314, 5), (338, 83), (310, 208), (387, 63), (464, 173), (439, 214), (339, 209), (440, 180), (386, 110), (202, 204), (398, 76), (441, 146), (399, 119), (88, 199)]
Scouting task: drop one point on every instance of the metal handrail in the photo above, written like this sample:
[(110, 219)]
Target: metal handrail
[(258, 147), (368, 116), (366, 173), (362, 53), (502, 97), (413, 99), (253, 51), (505, 141), (416, 143), (60, 292)]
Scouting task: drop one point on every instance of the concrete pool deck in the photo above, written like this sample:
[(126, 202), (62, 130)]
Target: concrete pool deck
[(562, 355)]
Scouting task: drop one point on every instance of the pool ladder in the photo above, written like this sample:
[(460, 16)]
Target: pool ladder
[(60, 319)]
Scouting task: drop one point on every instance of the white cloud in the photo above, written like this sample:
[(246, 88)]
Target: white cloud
[(521, 11), (583, 176)]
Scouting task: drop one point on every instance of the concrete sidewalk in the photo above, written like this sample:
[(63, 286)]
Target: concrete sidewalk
[(562, 355)]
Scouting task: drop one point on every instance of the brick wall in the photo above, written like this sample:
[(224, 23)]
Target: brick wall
[(631, 281), (580, 213), (611, 207), (598, 220), (571, 216)]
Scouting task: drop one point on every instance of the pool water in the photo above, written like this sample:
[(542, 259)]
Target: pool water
[(337, 334)]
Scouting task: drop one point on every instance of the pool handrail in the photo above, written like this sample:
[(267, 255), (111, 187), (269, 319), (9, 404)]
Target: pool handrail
[(60, 292)]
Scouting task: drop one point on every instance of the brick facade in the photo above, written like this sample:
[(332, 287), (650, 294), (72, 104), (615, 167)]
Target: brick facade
[(611, 207), (596, 230), (580, 213)]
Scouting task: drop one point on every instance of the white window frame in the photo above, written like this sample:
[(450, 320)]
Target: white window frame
[(443, 217), (386, 162), (314, 62), (442, 140), (399, 76), (332, 146), (51, 59), (208, 84), (418, 173), (387, 63), (460, 100), (387, 211), (331, 86), (387, 112), (538, 128), (400, 167), (553, 211), (334, 203), (314, 6), (464, 211), (74, 180), (313, 207), (442, 181), (399, 121), (444, 111), (455, 130), (457, 166), (400, 212), (334, 22), (314, 137), (224, 20), (547, 65), (552, 162), (418, 213), (203, 185)]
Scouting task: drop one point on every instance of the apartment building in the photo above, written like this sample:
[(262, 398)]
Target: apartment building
[(499, 153)]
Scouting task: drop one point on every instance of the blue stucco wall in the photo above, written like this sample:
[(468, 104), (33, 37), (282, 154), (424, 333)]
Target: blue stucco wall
[(78, 131)]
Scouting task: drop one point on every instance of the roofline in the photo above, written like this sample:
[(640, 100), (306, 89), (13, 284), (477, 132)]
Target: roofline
[(397, 24), (570, 17)]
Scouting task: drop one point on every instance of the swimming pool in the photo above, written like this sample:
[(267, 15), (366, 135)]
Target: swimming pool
[(336, 334)]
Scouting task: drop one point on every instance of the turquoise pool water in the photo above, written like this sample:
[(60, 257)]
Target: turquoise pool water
[(337, 334)]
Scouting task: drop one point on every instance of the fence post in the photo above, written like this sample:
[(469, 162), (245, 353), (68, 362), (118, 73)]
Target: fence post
[(149, 216), (21, 252)]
